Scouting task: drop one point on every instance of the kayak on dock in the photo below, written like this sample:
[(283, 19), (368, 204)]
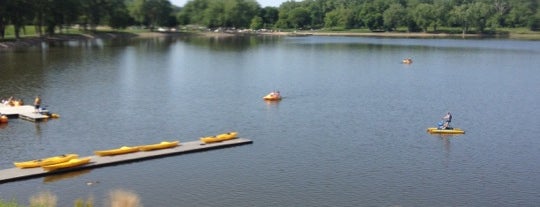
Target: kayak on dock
[(71, 163), (117, 151), (161, 145), (219, 137), (46, 161)]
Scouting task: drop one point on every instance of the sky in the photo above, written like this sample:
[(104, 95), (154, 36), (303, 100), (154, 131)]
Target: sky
[(263, 3)]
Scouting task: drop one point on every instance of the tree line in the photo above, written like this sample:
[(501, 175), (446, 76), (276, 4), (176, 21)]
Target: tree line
[(50, 16)]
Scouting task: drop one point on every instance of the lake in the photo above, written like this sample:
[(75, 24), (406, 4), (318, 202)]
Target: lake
[(350, 130)]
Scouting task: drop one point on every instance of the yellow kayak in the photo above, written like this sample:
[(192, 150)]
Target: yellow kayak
[(117, 151), (220, 137), (161, 145), (71, 163), (434, 130), (46, 161)]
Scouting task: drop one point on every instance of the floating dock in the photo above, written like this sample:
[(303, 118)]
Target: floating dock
[(14, 174), (25, 112)]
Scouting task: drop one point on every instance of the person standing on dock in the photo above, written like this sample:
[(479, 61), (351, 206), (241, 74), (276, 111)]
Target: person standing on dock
[(37, 103)]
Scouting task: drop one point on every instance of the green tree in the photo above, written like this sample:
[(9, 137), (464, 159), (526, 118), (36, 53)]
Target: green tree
[(193, 12), (423, 15), (118, 14), (269, 15), (55, 13), (93, 11), (256, 23), (239, 13), (299, 18), (522, 12), (478, 14), (394, 16), (3, 18), (285, 10), (534, 23), (151, 13), (332, 19), (370, 16), (460, 17), (18, 11), (341, 17), (500, 10)]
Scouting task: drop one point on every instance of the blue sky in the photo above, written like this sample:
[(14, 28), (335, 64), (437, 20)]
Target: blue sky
[(263, 3)]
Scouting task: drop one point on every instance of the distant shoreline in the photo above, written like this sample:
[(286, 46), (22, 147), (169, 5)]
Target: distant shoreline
[(34, 41)]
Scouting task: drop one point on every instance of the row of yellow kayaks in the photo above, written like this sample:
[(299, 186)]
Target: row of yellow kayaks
[(219, 137), (126, 149), (73, 160)]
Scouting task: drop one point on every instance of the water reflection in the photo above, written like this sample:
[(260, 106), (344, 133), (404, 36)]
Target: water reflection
[(226, 43), (65, 176), (38, 129)]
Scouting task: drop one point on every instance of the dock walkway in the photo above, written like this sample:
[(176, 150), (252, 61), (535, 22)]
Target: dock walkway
[(25, 112), (14, 174)]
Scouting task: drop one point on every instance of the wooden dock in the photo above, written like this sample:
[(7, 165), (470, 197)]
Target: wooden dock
[(14, 174), (25, 112)]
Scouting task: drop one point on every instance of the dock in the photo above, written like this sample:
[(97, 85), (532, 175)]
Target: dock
[(14, 174), (25, 112)]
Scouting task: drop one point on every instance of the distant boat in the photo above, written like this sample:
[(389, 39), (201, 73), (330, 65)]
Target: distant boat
[(407, 61), (273, 96)]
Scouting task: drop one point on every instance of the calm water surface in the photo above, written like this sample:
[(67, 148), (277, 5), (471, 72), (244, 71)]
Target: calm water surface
[(349, 132)]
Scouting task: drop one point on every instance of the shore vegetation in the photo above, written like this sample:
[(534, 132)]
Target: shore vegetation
[(413, 16), (116, 198)]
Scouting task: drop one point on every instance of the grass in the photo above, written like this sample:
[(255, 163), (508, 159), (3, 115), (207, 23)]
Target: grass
[(117, 198), (43, 199), (11, 203), (123, 198)]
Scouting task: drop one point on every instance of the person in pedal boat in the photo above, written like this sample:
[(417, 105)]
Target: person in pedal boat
[(447, 119)]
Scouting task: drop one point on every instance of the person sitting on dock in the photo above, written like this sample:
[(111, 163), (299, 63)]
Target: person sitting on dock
[(37, 103), (9, 102)]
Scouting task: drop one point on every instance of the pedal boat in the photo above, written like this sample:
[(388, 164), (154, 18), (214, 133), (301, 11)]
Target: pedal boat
[(220, 137), (161, 145), (407, 61), (117, 151), (71, 163), (46, 161), (273, 96), (434, 130)]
